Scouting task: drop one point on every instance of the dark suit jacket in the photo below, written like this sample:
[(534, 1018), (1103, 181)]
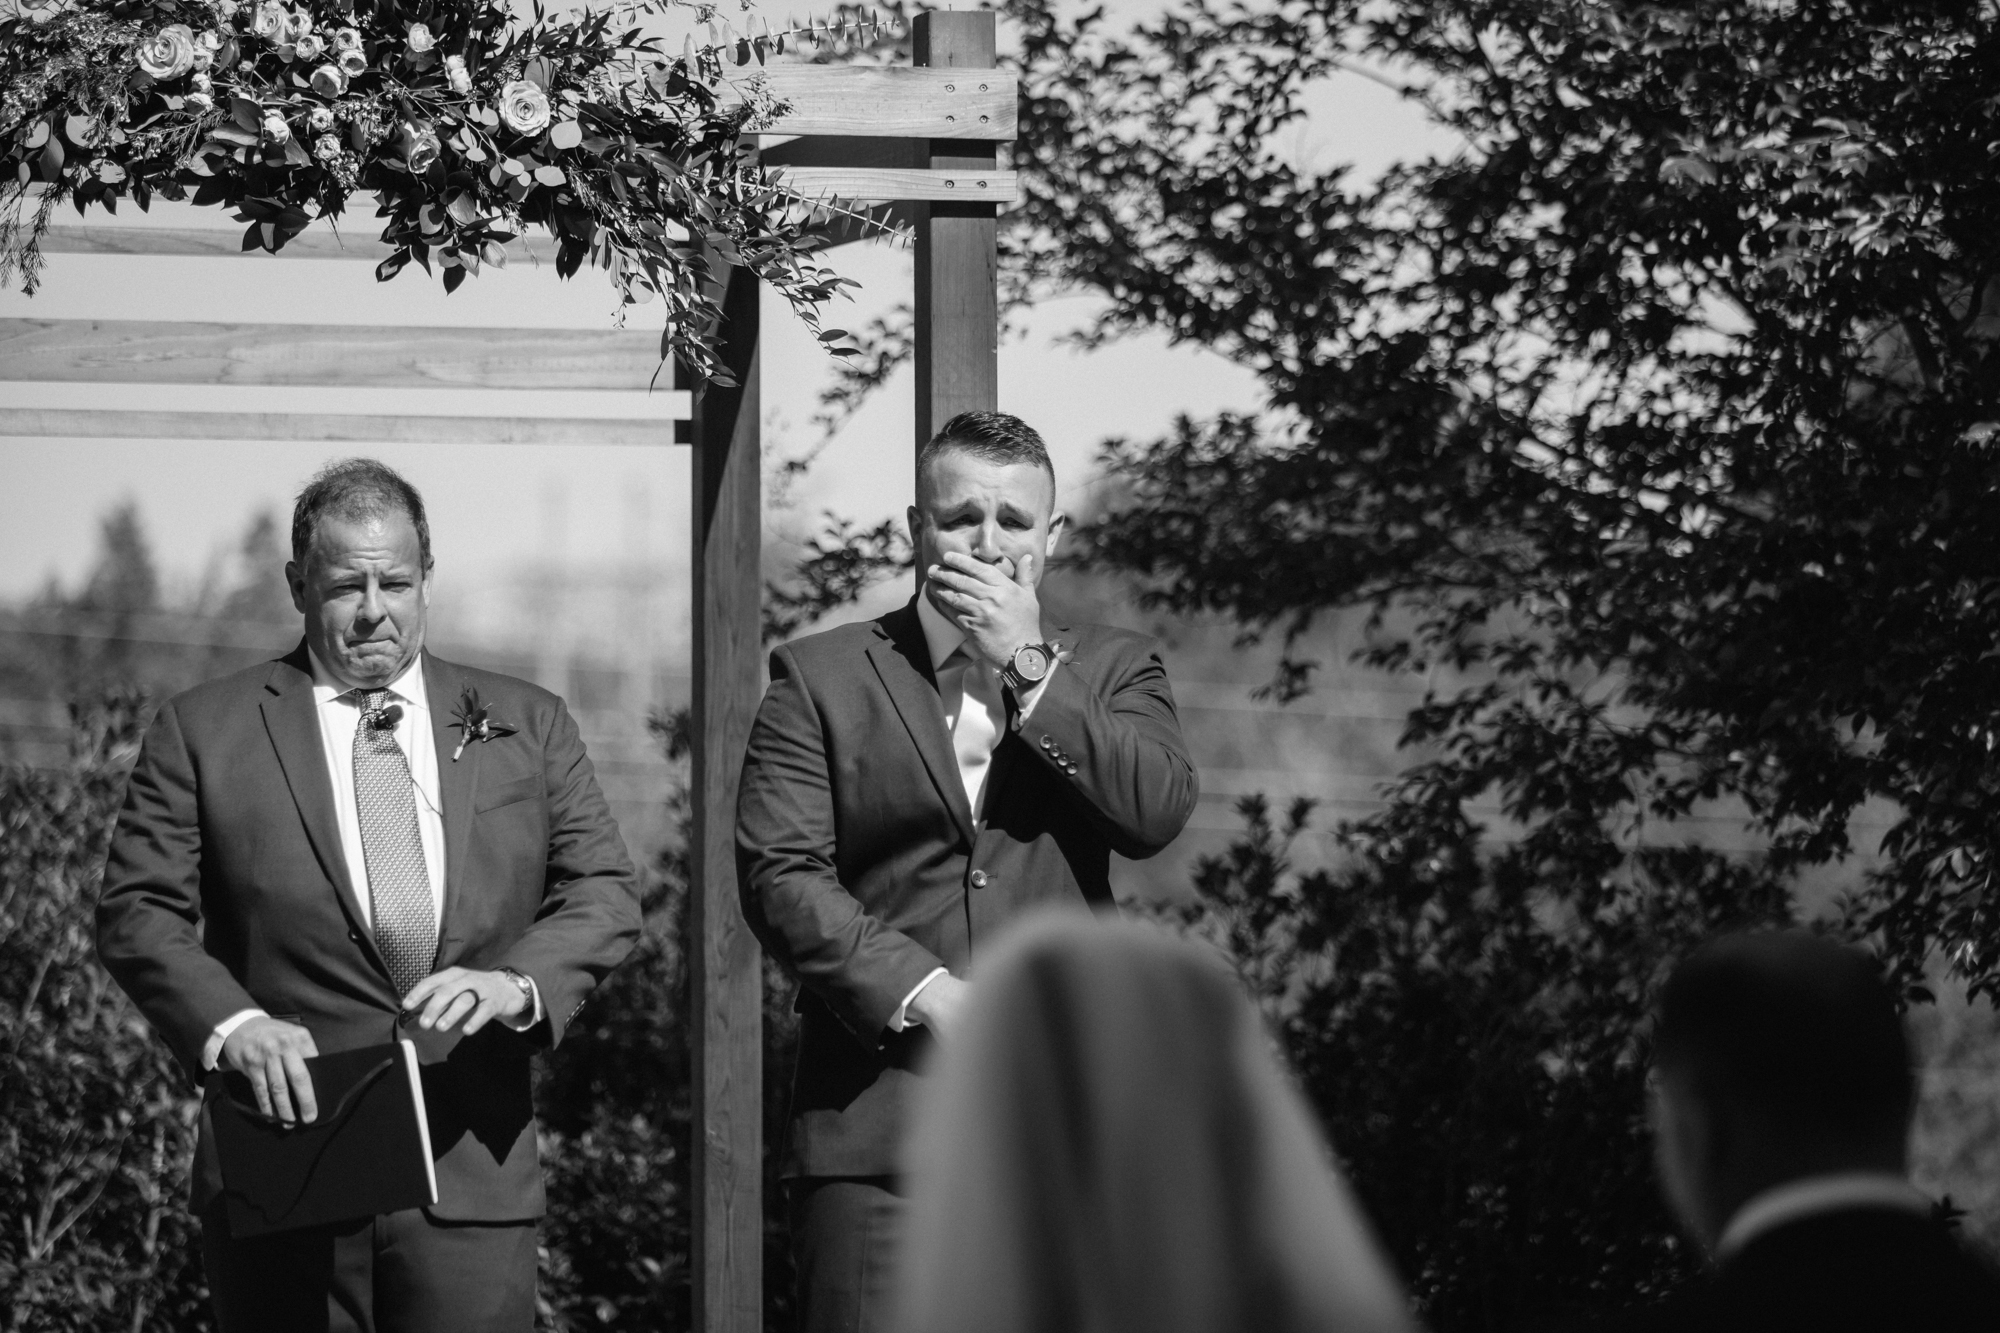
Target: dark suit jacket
[(226, 889), (859, 869), (1869, 1270)]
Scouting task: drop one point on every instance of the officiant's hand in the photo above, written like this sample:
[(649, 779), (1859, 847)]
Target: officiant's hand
[(936, 1005), (272, 1054), (461, 993), (995, 605)]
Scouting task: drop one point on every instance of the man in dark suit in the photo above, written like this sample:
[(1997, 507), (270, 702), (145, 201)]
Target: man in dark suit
[(1781, 1117), (306, 852), (912, 785)]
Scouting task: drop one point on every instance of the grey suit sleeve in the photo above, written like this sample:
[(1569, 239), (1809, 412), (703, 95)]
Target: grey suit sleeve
[(589, 918), (1133, 772), (149, 919), (787, 873)]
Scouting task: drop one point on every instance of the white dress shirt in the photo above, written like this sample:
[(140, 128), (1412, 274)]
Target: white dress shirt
[(1817, 1194), (339, 710), (943, 639)]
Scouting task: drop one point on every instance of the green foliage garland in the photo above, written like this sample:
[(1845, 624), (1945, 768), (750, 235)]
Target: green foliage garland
[(467, 123)]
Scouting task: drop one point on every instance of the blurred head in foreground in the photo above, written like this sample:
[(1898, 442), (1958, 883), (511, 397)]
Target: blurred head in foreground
[(1779, 1056), (1109, 1144)]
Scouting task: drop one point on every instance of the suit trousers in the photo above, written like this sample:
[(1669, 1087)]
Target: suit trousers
[(396, 1273), (844, 1235)]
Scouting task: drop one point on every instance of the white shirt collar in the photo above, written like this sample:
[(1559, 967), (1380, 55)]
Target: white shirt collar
[(942, 637), (1796, 1199), (409, 687)]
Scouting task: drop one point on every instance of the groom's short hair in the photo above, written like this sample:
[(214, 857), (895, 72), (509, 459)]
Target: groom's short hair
[(1793, 1029), (995, 437), (354, 489)]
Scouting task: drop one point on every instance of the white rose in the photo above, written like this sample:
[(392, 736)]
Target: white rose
[(203, 57), (297, 24), (524, 107), (420, 39), (455, 74), (326, 148), (200, 99), (353, 62), (275, 129), (168, 53), (226, 8), (420, 147), (347, 39), (329, 81), (308, 47), (269, 22), (319, 120), (211, 41)]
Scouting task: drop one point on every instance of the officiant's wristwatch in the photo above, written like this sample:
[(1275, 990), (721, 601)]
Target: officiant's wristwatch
[(527, 986), (1029, 666)]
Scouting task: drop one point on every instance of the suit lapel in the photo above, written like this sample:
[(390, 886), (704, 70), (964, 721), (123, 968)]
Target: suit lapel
[(293, 724), (458, 782), (903, 661)]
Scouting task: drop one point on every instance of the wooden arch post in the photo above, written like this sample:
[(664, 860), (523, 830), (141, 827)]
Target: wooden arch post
[(924, 136)]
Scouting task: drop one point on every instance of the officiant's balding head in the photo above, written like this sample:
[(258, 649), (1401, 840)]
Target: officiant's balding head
[(1779, 1055), (360, 571)]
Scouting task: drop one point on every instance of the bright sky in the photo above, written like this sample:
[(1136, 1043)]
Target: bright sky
[(496, 506)]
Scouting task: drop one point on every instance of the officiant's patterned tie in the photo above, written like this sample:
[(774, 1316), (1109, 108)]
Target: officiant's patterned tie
[(399, 886), (974, 708)]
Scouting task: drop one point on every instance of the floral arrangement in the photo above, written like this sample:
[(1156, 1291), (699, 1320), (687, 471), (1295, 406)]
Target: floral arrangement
[(467, 123), (474, 721)]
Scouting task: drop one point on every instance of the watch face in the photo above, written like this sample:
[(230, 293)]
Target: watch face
[(1031, 662)]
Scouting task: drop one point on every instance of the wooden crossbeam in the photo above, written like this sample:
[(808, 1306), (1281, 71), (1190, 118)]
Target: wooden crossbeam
[(895, 102), (347, 356), (316, 242), (874, 185), (93, 423)]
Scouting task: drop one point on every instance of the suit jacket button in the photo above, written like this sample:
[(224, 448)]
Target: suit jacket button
[(979, 879), (354, 935), (1070, 769), (1047, 743)]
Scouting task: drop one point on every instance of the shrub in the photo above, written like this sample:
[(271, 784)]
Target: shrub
[(96, 1123), (1477, 1050)]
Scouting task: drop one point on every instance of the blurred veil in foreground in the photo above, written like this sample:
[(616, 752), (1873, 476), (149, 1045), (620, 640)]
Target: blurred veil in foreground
[(1109, 1144)]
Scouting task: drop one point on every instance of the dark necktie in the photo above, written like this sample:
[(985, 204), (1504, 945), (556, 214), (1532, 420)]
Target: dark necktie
[(399, 886)]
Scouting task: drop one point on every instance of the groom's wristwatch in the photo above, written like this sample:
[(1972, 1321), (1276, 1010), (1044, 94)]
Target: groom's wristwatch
[(1029, 666)]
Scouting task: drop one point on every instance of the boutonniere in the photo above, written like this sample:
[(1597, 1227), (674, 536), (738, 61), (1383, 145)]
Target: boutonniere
[(474, 721)]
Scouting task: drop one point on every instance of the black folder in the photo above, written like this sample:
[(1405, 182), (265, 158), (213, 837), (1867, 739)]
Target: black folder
[(368, 1152)]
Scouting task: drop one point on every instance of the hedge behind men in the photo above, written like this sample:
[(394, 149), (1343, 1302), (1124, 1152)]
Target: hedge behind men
[(305, 851), (912, 785), (1781, 1124)]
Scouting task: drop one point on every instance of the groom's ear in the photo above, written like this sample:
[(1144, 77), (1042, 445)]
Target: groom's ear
[(295, 581), (1058, 522)]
